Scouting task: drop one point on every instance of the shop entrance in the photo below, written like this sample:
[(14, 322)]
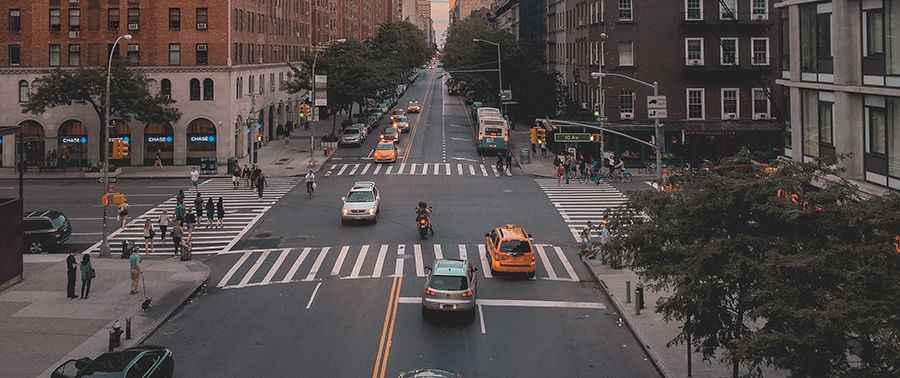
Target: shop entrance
[(159, 139), (73, 144), (201, 134)]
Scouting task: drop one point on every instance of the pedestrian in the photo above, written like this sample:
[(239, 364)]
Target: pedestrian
[(180, 197), (195, 178), (260, 184), (157, 162), (508, 163), (179, 212), (87, 275), (235, 178), (210, 212), (198, 207), (123, 213), (177, 233), (543, 150), (560, 171), (557, 161), (245, 175), (253, 177), (310, 182), (71, 266), (189, 220), (220, 212), (148, 236), (500, 160), (164, 223), (135, 262)]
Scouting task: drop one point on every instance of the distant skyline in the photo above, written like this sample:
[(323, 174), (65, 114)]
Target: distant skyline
[(440, 15)]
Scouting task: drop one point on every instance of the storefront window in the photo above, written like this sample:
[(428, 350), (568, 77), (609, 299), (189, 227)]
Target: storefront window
[(810, 123), (159, 139), (893, 107), (73, 142), (201, 143)]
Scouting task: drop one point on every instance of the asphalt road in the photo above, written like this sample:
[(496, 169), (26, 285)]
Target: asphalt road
[(302, 295)]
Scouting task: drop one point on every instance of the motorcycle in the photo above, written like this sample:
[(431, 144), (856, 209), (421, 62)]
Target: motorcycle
[(424, 226)]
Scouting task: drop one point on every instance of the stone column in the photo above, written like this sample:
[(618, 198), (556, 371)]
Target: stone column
[(136, 147), (180, 143)]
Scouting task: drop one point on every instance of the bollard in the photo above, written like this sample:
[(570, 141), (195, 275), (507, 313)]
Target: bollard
[(128, 328), (627, 291), (641, 294), (638, 298), (115, 336)]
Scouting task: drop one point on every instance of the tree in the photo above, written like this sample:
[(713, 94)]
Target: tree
[(403, 41), (130, 97), (771, 269)]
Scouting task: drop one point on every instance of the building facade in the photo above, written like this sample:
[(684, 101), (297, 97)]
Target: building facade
[(841, 81), (460, 9), (506, 16)]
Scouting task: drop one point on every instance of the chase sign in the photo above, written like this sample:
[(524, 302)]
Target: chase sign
[(202, 139), (74, 140)]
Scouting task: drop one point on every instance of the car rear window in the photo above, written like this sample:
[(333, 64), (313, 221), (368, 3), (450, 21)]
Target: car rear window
[(493, 131), (402, 119), (515, 247), (449, 283), (58, 221)]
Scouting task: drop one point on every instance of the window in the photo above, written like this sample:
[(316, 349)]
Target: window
[(728, 10), (112, 19), (695, 103), (23, 91), (202, 54), (826, 122), (262, 84), (15, 20), (815, 39), (74, 19), (272, 82), (874, 35), (626, 53), (174, 54), (759, 9), (202, 18), (251, 85), (174, 19), (239, 87), (14, 53), (730, 103), (892, 59), (74, 55), (195, 90), (134, 54), (760, 51), (693, 51), (55, 19), (134, 19), (761, 108), (893, 126), (876, 129), (728, 51), (786, 110), (693, 10), (810, 128), (208, 90), (54, 55), (625, 11), (785, 42), (165, 88), (112, 52), (626, 101)]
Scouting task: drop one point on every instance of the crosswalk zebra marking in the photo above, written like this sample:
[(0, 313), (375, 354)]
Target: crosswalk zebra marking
[(438, 254), (317, 264), (459, 169), (365, 169), (483, 171), (296, 266), (482, 255), (275, 266), (398, 268), (377, 169), (546, 262), (379, 262), (578, 204), (343, 168), (412, 168), (340, 260), (253, 269), (359, 261), (420, 267), (472, 170), (387, 172), (447, 167), (494, 168), (462, 252), (234, 269)]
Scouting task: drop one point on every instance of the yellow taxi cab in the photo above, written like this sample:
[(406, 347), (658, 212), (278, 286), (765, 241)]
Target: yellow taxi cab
[(414, 107), (385, 152), (510, 249)]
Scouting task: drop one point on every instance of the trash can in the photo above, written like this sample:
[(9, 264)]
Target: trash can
[(232, 166), (525, 156)]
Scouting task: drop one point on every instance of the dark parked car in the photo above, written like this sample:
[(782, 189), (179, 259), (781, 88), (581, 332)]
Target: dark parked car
[(45, 230), (145, 361)]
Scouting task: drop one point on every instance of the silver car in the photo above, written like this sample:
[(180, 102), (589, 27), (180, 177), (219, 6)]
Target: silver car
[(352, 136), (363, 129), (361, 203), (450, 286)]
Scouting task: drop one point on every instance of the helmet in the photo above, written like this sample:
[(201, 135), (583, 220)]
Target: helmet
[(422, 204)]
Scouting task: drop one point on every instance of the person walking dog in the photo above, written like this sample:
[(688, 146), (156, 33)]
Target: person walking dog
[(87, 275), (135, 262)]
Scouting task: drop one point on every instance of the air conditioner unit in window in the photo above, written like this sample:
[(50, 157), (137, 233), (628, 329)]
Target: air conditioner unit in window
[(731, 115), (201, 26), (626, 115), (133, 26), (201, 48), (761, 116), (759, 17), (694, 62), (74, 34)]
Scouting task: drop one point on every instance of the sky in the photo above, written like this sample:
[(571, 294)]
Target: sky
[(440, 13)]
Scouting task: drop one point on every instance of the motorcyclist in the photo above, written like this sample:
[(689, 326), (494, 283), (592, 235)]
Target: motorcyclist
[(424, 211)]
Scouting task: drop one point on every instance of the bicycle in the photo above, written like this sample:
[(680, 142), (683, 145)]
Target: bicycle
[(310, 189)]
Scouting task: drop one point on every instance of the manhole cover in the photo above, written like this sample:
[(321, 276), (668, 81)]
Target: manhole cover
[(263, 235)]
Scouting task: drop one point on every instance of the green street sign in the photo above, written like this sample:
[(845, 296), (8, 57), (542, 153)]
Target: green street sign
[(572, 137)]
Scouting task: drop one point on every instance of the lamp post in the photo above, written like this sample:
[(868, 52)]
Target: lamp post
[(104, 135), (499, 66)]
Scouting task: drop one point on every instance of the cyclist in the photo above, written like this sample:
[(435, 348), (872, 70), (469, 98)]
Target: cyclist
[(310, 182)]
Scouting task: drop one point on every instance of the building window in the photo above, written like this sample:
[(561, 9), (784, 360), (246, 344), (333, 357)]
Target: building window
[(876, 130), (728, 51), (15, 20), (202, 18), (174, 54), (693, 10), (165, 88), (111, 52), (251, 85), (693, 51), (174, 19), (728, 9), (74, 55), (134, 54), (208, 90), (55, 19), (810, 129), (54, 55), (202, 54), (14, 53), (759, 9), (195, 90), (134, 19), (626, 102), (625, 11), (826, 122), (785, 42), (272, 82), (112, 19), (730, 103), (788, 133), (280, 80), (262, 84), (760, 51), (626, 53), (893, 126), (74, 19), (815, 39), (761, 108), (23, 91), (892, 55), (238, 88), (696, 104)]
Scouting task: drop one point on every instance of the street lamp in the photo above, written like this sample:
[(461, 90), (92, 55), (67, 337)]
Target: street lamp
[(499, 66), (104, 248)]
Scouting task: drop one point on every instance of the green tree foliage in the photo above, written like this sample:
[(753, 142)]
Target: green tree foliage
[(807, 283), (404, 42)]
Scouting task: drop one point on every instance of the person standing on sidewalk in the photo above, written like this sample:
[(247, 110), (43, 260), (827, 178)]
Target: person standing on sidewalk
[(260, 184), (148, 236), (195, 178), (198, 207), (210, 212), (157, 162), (135, 262), (87, 275), (163, 223), (71, 266), (177, 233), (220, 212)]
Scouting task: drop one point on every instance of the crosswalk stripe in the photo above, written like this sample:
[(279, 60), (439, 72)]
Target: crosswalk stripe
[(290, 274), (578, 204), (425, 168), (459, 169), (377, 169), (317, 264), (275, 266), (483, 171), (472, 170), (353, 171), (494, 168), (565, 262), (365, 169), (343, 168), (234, 269), (379, 262), (438, 254), (400, 170), (417, 254), (398, 268), (253, 269), (340, 260), (546, 262), (485, 268), (462, 252), (388, 171), (359, 261), (412, 168), (447, 167)]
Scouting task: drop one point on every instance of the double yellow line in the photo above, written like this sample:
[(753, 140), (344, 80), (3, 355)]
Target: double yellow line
[(412, 134), (387, 330)]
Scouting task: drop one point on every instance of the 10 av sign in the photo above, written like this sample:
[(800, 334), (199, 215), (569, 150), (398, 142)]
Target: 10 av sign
[(572, 137)]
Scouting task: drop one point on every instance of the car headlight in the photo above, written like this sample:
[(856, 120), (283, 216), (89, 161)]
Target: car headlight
[(371, 211), (345, 211)]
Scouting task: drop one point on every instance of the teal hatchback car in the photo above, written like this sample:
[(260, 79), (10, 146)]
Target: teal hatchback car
[(146, 361)]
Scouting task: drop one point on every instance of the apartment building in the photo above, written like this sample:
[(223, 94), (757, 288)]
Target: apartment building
[(506, 16), (460, 9), (841, 83)]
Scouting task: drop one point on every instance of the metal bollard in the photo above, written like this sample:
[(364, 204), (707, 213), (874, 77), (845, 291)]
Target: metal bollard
[(128, 328), (115, 336), (627, 291), (638, 298)]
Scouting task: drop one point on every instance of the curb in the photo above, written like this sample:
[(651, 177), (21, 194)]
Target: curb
[(657, 361), (156, 325)]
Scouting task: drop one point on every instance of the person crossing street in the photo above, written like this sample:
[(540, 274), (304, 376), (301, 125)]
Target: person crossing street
[(195, 178), (310, 182), (198, 207)]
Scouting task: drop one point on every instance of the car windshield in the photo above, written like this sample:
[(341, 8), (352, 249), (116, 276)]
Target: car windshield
[(390, 131), (59, 221), (361, 197), (515, 247), (351, 131), (385, 147), (449, 283), (402, 119)]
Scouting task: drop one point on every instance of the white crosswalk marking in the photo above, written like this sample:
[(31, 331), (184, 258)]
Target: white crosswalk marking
[(415, 169), (459, 169), (425, 168), (353, 171), (365, 169), (578, 204), (399, 171), (388, 170), (343, 168), (494, 168), (447, 169), (412, 168), (256, 267), (471, 170), (483, 170), (377, 169)]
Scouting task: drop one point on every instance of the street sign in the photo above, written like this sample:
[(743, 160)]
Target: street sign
[(657, 114), (656, 107), (572, 137), (321, 93), (506, 95)]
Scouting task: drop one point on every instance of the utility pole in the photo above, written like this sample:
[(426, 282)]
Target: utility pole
[(104, 141)]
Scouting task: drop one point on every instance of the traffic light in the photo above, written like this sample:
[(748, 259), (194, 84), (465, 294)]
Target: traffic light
[(119, 149), (304, 112), (596, 112), (532, 134), (541, 136), (597, 138)]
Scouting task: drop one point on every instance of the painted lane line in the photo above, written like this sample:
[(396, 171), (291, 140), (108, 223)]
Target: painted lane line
[(365, 169), (420, 267), (481, 319), (462, 252), (290, 274), (546, 262), (359, 261), (471, 170), (340, 172), (313, 296), (275, 266), (234, 268), (569, 268), (377, 169), (353, 171), (438, 253), (340, 260), (379, 261), (483, 171), (485, 267), (253, 269), (398, 267), (317, 264)]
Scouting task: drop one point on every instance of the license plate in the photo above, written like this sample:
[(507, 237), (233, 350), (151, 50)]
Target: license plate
[(448, 307)]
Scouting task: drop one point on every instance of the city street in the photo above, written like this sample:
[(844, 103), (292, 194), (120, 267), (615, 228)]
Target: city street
[(303, 295)]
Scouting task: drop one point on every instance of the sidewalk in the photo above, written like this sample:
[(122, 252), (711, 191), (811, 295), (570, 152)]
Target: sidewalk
[(40, 328), (537, 166), (653, 332)]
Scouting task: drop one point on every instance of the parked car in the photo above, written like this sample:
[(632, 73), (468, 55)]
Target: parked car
[(450, 286), (361, 203), (140, 361), (45, 230)]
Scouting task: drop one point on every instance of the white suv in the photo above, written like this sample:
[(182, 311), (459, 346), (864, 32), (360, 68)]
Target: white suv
[(361, 203)]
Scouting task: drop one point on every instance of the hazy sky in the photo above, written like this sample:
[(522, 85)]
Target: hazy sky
[(440, 12)]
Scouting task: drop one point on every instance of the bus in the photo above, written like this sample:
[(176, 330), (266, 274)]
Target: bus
[(491, 134)]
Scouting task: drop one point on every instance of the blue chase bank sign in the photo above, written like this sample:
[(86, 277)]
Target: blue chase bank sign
[(202, 138), (73, 140), (160, 139)]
